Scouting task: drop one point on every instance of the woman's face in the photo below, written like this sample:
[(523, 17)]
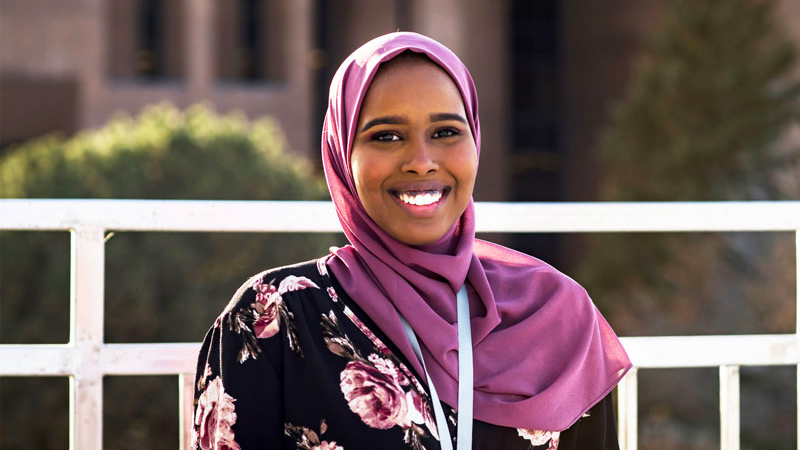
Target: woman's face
[(414, 160)]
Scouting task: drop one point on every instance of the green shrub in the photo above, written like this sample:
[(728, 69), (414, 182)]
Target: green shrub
[(159, 287)]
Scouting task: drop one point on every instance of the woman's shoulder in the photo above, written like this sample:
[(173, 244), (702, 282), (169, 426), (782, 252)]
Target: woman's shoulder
[(278, 281)]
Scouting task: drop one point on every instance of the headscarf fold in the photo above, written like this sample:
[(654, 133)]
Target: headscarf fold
[(543, 354)]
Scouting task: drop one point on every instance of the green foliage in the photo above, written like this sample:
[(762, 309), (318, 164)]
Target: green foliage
[(709, 99), (162, 154), (159, 287)]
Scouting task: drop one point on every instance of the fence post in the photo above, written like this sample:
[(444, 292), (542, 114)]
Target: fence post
[(186, 408), (627, 405), (86, 336), (797, 324), (729, 407)]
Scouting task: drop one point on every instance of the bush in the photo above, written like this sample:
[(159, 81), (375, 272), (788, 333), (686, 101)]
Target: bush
[(160, 287)]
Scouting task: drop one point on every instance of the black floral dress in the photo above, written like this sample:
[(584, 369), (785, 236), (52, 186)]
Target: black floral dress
[(293, 363)]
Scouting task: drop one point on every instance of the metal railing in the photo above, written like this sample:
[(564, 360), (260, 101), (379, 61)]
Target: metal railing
[(87, 358)]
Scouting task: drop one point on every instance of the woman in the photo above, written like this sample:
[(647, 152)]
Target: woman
[(360, 349)]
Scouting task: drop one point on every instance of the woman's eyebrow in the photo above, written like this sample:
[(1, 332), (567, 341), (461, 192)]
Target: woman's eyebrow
[(439, 117), (385, 120)]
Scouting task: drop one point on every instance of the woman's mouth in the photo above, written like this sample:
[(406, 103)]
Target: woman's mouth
[(421, 200)]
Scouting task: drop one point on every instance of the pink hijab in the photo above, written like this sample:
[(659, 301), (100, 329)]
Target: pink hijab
[(543, 354)]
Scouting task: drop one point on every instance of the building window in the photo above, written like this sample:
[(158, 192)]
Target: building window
[(535, 159), (250, 40), (145, 39)]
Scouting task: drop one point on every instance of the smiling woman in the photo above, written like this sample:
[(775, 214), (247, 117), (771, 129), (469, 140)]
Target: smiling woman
[(416, 335), (414, 163)]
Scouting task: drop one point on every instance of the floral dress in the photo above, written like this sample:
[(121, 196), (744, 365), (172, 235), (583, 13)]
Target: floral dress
[(293, 363)]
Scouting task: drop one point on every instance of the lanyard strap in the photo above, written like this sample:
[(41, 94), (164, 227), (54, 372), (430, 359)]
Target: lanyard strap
[(464, 378)]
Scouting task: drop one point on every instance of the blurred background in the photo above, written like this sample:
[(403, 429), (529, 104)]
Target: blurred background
[(581, 100)]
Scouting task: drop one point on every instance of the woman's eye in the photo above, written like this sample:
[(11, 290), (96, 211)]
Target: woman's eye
[(445, 133), (386, 137)]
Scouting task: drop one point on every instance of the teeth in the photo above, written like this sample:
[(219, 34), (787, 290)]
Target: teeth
[(421, 198)]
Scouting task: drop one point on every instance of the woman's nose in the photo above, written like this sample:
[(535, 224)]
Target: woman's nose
[(420, 158)]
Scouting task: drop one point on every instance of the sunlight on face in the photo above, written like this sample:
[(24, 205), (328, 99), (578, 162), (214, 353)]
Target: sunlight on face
[(414, 159)]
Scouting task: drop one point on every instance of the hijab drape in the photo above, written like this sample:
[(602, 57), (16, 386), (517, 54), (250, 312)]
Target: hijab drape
[(543, 354)]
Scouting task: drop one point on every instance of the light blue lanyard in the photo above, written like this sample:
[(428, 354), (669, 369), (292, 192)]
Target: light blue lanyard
[(464, 378)]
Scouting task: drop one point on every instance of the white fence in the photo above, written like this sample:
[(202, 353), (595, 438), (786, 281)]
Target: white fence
[(87, 358)]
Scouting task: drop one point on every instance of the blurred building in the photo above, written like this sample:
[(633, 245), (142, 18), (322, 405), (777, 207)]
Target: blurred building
[(546, 70)]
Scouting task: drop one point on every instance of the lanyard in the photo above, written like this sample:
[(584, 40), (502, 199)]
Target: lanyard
[(464, 378)]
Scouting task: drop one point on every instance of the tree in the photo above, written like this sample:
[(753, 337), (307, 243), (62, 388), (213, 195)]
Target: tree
[(160, 287), (710, 100), (709, 103)]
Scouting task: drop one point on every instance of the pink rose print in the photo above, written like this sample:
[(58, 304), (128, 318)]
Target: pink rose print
[(375, 396), (268, 301), (332, 294), (379, 388), (322, 267), (325, 445), (420, 412), (262, 318), (256, 286), (201, 382), (293, 283), (387, 367), (538, 437), (306, 438), (214, 418)]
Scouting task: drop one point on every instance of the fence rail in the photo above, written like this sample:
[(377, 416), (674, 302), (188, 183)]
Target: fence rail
[(87, 358)]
